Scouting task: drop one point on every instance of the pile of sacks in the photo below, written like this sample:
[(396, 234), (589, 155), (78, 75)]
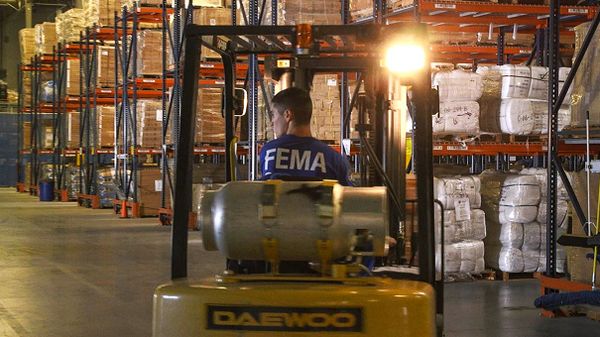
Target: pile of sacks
[(515, 240), (524, 107), (463, 225), (459, 91)]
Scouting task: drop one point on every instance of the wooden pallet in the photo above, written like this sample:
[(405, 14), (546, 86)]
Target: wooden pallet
[(514, 276)]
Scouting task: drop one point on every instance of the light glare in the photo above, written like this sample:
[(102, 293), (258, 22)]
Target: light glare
[(405, 58)]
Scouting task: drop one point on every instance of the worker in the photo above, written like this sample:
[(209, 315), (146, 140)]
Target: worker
[(295, 153)]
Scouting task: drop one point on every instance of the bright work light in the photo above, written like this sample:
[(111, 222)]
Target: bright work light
[(405, 58)]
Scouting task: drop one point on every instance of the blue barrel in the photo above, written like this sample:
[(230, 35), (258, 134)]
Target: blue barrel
[(46, 191)]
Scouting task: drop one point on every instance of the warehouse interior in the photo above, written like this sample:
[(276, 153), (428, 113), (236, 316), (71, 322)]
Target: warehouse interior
[(299, 168)]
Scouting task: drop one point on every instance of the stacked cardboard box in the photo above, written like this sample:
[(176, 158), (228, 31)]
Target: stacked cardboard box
[(27, 44), (149, 42), (150, 188), (27, 88), (45, 37), (149, 123), (106, 125), (106, 67), (47, 130), (325, 122), (210, 125), (101, 12), (26, 135), (69, 24), (73, 77), (316, 12), (73, 129)]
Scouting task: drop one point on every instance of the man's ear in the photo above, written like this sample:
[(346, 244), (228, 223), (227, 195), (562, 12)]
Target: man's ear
[(288, 115)]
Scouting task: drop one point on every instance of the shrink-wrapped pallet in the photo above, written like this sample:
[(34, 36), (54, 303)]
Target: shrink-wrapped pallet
[(73, 129), (316, 12), (489, 103), (149, 123), (451, 190), (516, 81), (107, 189), (73, 77), (148, 43), (72, 179), (458, 85), (457, 117), (69, 24), (361, 9), (150, 186), (472, 228), (45, 37), (208, 16), (106, 67), (102, 12), (586, 87), (106, 125), (325, 94), (27, 44), (210, 124)]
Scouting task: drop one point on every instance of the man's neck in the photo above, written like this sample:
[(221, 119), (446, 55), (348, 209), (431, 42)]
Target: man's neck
[(299, 131)]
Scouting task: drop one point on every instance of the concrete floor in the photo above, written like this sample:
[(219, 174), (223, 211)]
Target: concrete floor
[(66, 271)]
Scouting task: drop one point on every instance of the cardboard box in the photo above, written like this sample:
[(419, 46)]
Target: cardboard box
[(212, 17), (26, 135), (150, 188)]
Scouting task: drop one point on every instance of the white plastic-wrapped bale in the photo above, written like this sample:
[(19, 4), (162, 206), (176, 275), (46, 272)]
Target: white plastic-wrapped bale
[(455, 231), (471, 253), (506, 259), (516, 81), (519, 199), (450, 189), (457, 117), (522, 116), (540, 174), (539, 82), (562, 206), (458, 85)]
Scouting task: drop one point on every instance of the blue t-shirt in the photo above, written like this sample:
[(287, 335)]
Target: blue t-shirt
[(293, 156)]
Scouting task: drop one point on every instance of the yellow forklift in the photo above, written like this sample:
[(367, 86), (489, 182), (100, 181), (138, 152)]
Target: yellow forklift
[(330, 227)]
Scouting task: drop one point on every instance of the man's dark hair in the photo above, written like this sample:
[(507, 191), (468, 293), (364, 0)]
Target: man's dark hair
[(296, 100)]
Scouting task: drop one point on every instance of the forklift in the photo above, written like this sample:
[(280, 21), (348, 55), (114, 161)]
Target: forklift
[(329, 226)]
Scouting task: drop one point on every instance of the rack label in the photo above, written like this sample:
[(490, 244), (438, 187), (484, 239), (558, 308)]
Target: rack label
[(146, 80), (444, 6), (206, 65), (438, 148), (457, 148), (332, 82), (158, 185), (577, 11)]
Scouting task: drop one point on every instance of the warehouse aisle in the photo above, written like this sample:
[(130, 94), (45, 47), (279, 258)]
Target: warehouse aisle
[(66, 271)]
